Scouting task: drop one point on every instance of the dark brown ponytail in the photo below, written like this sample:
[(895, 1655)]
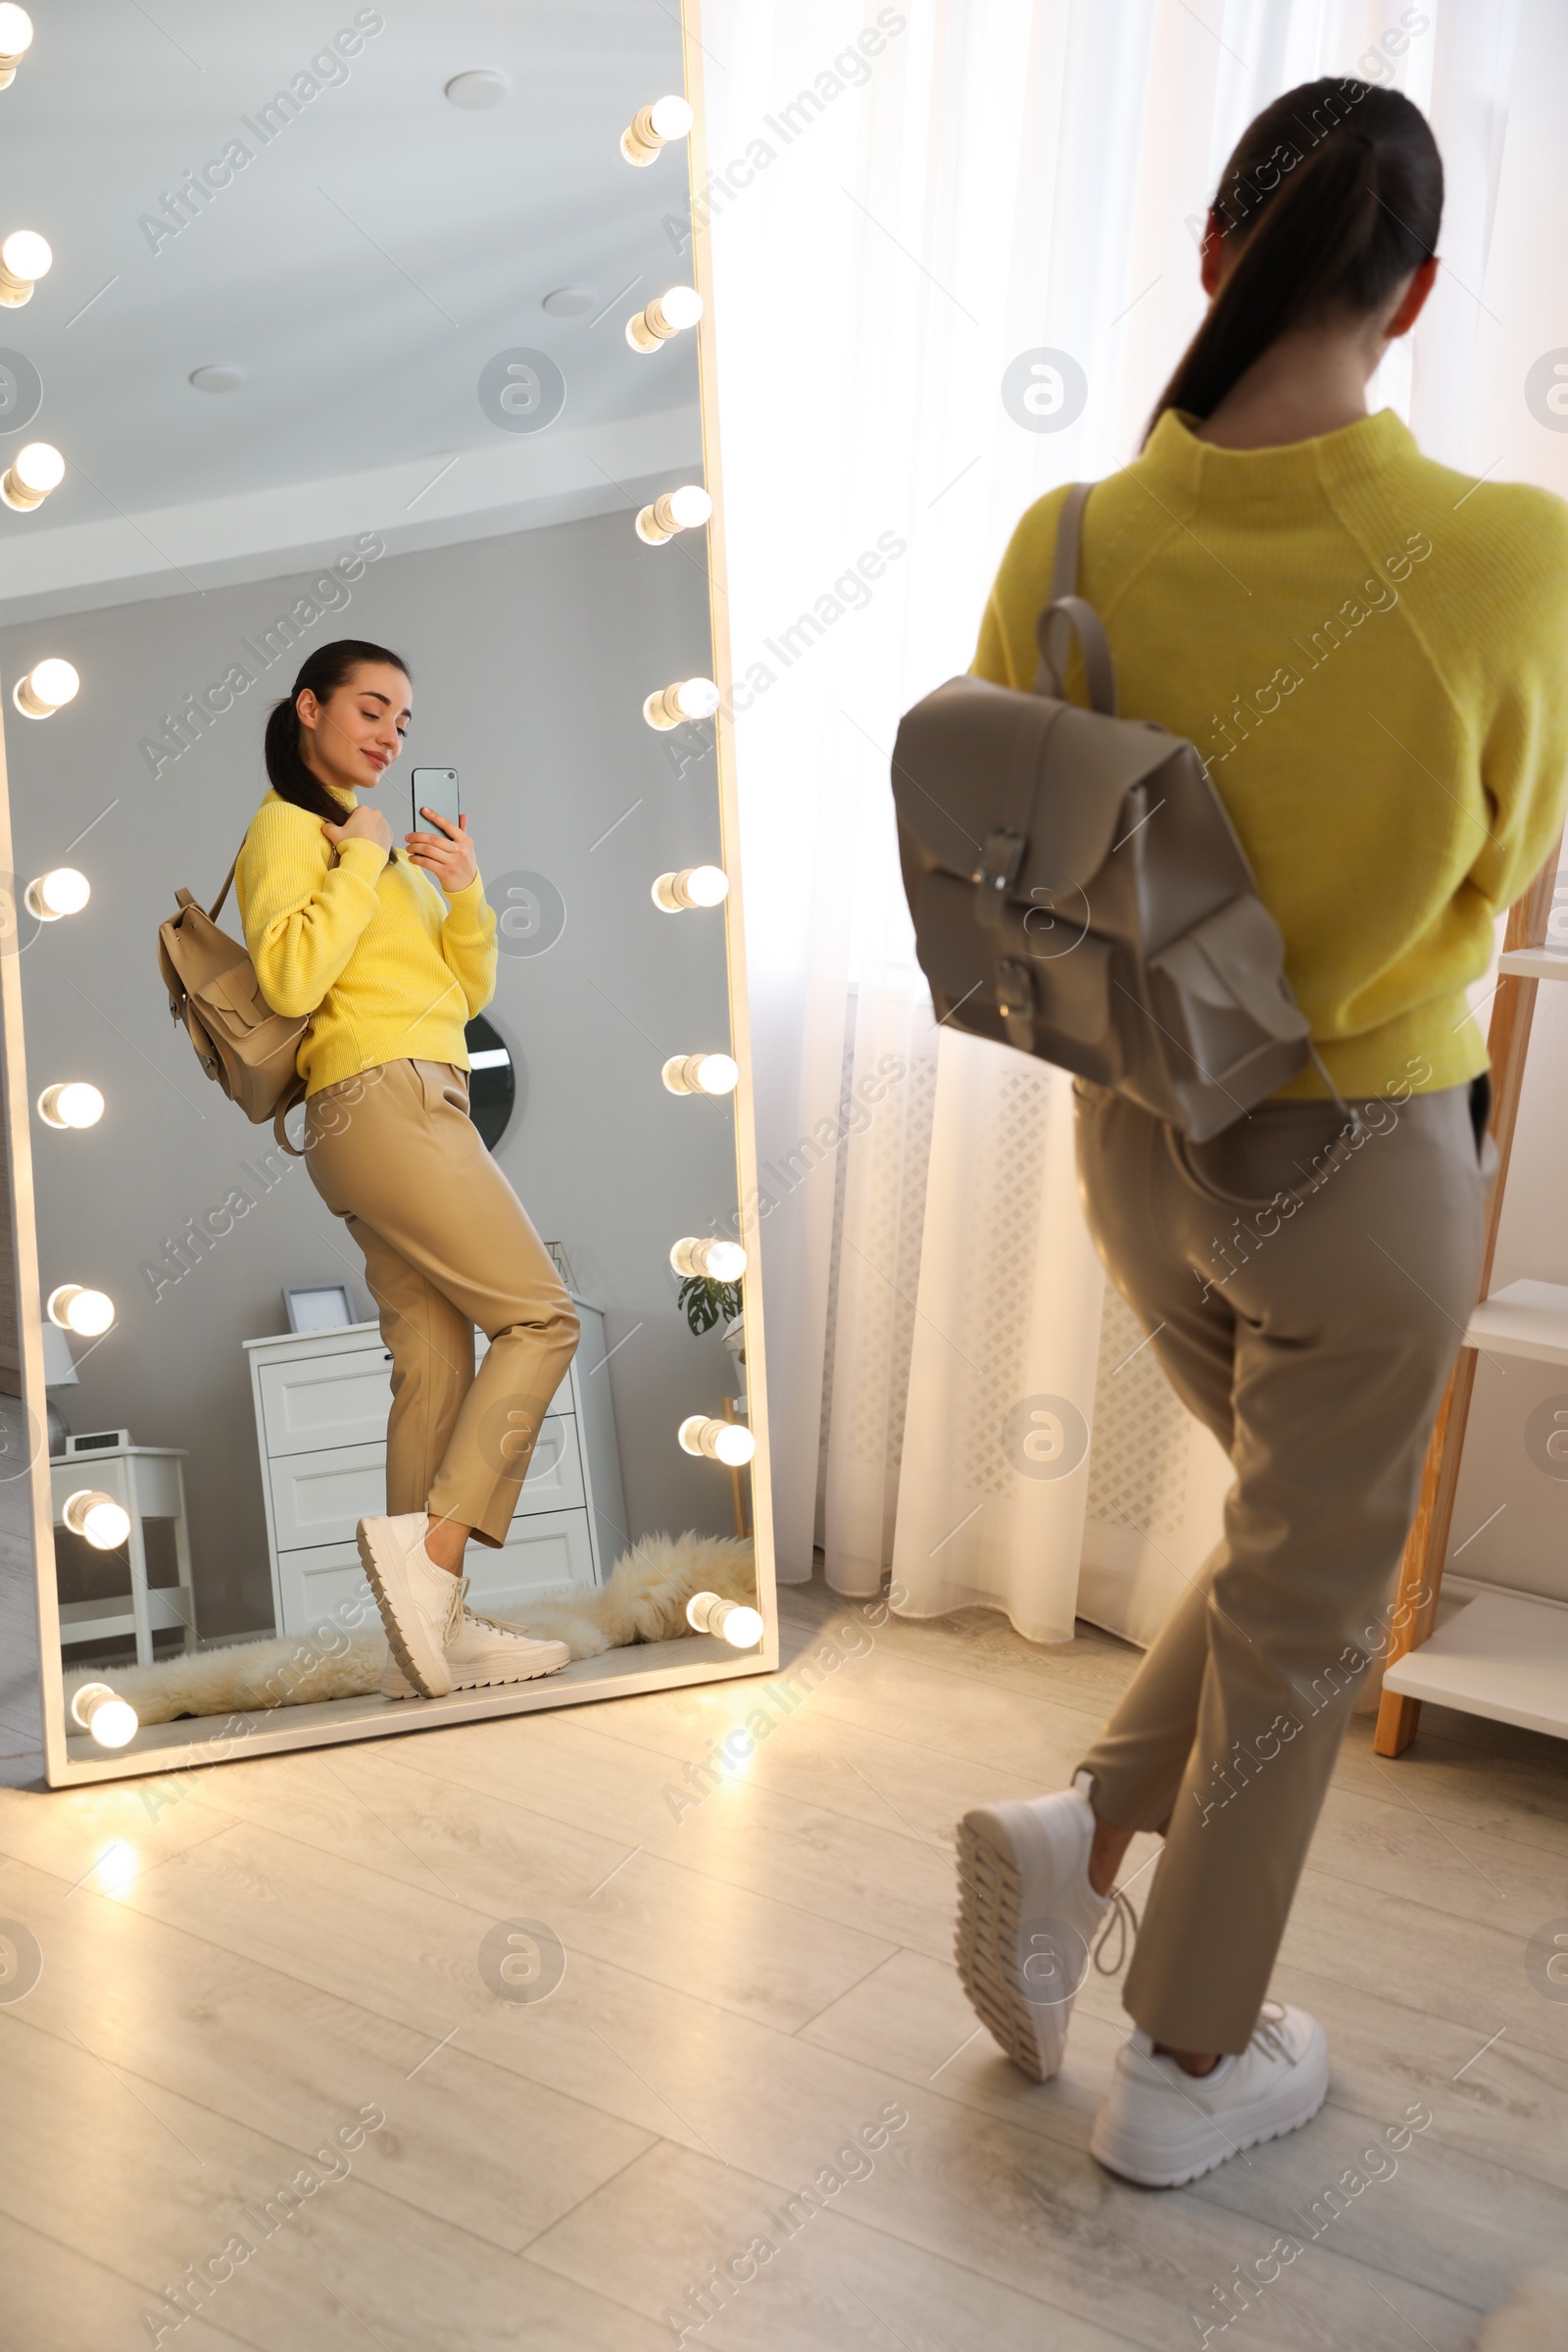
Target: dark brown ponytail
[(322, 673), (1333, 194)]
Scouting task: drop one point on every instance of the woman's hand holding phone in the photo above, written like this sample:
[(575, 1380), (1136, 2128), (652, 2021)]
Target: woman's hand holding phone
[(361, 824), (448, 855)]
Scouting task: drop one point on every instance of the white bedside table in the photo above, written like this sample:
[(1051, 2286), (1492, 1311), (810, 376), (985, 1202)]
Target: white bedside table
[(147, 1483)]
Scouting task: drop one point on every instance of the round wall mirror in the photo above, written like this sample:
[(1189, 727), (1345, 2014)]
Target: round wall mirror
[(492, 1082)]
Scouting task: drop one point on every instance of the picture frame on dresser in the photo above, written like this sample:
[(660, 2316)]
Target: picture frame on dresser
[(659, 985)]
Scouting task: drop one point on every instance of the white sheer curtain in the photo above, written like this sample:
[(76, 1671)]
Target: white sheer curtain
[(905, 200)]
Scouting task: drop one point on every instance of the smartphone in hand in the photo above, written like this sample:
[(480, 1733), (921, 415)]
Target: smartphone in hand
[(434, 788)]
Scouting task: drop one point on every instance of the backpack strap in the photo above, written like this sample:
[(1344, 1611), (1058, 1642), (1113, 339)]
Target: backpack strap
[(1069, 533), (286, 1102), (217, 907), (1068, 614)]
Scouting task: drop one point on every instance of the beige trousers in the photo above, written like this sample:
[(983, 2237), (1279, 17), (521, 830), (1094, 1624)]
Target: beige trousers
[(447, 1246), (1315, 1339)]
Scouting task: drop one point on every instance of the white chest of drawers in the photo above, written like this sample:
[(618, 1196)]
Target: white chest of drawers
[(322, 1400)]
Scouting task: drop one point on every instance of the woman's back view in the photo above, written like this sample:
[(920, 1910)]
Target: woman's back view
[(1368, 650), (1371, 653)]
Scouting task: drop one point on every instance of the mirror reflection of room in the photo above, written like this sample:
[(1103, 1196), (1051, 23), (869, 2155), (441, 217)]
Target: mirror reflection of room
[(374, 570)]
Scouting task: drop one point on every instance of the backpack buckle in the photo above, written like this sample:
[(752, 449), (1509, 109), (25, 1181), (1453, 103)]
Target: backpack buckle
[(1000, 860), (1012, 986)]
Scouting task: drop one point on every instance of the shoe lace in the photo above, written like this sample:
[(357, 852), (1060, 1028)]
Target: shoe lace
[(1124, 1920), (1269, 2030), (458, 1609)]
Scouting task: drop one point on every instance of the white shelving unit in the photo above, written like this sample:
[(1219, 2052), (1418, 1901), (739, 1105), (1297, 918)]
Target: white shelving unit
[(1504, 1656)]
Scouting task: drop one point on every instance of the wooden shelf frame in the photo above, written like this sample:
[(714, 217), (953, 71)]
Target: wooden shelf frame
[(1520, 971)]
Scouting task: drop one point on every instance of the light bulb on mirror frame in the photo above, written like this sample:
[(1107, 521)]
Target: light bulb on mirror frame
[(31, 474), (47, 688), (654, 127), (702, 1074), (24, 258), (16, 39), (103, 1520), (684, 510), (727, 1442), (678, 705), (669, 314), (713, 1260), (695, 886), (88, 1313), (734, 1621), (110, 1719), (61, 891), (73, 1102)]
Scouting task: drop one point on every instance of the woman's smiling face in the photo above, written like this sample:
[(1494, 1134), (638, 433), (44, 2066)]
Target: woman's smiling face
[(352, 736)]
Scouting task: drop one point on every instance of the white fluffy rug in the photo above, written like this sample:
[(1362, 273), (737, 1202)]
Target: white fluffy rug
[(1535, 2318), (643, 1600)]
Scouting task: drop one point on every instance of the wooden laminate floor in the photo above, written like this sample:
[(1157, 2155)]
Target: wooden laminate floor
[(240, 1964)]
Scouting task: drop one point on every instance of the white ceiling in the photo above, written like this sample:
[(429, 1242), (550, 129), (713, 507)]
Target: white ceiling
[(361, 270)]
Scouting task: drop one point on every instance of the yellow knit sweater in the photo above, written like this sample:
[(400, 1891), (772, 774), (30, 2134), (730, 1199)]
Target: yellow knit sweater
[(1371, 653), (389, 968)]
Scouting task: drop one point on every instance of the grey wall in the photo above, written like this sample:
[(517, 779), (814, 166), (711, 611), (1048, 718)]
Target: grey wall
[(531, 655)]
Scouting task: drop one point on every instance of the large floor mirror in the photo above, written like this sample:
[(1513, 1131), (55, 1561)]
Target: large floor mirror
[(388, 329)]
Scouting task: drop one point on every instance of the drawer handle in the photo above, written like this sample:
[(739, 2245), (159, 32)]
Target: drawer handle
[(386, 1355)]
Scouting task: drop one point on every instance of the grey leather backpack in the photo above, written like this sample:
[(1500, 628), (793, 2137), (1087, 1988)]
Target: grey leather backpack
[(1078, 890)]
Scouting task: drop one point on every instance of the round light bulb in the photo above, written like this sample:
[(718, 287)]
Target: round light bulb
[(719, 1074), (47, 688), (98, 1517), (105, 1526), (39, 466), (717, 1261), (682, 306), (74, 1103), (112, 1720), (733, 1620), (88, 1313), (693, 886), (727, 1442), (15, 30), (672, 118), (697, 698), (689, 506), (26, 255), (61, 891)]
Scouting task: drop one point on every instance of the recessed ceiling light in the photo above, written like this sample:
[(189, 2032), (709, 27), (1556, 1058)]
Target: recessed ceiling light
[(569, 302), (478, 91), (217, 380)]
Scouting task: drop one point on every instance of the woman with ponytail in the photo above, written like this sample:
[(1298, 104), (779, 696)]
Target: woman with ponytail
[(1371, 651), (391, 952)]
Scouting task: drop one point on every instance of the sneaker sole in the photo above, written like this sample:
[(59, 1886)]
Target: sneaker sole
[(1144, 2177), (397, 1639), (485, 1682), (990, 1908)]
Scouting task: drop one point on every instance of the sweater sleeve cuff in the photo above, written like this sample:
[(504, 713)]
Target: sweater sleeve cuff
[(469, 903)]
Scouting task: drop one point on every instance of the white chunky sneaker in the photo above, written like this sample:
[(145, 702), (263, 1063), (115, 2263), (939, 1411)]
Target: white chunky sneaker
[(419, 1603), (1161, 2126), (480, 1653), (1029, 1920)]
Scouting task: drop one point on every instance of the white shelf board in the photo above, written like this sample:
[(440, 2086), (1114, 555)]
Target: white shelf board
[(1502, 1657), (1534, 964), (1523, 1318)]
